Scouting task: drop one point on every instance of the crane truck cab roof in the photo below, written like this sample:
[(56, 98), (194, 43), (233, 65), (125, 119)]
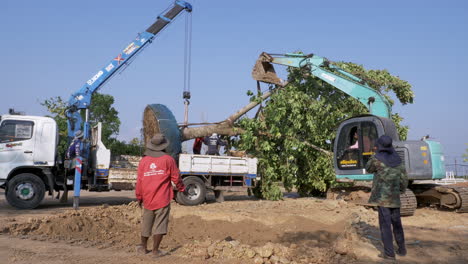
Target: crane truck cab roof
[(25, 117)]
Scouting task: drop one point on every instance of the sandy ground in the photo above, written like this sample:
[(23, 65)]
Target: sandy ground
[(240, 230)]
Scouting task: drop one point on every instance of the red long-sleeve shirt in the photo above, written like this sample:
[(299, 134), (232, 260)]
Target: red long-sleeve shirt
[(154, 181)]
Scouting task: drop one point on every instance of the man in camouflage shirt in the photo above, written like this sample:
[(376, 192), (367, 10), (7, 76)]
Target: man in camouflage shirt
[(390, 180)]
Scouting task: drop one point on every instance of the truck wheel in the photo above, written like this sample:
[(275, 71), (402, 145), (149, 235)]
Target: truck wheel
[(195, 193), (25, 191)]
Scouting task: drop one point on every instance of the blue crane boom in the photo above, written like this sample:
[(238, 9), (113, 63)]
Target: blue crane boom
[(82, 98)]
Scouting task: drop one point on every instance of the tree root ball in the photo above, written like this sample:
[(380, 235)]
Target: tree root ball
[(157, 118)]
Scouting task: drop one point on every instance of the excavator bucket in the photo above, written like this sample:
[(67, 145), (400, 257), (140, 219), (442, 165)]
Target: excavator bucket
[(264, 71)]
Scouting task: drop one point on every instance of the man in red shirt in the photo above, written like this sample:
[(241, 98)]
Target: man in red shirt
[(197, 144), (154, 191)]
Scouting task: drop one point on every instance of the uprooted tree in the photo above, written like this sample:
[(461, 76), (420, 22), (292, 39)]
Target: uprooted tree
[(291, 133)]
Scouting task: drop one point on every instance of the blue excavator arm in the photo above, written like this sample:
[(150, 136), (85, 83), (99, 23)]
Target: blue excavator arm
[(321, 68), (82, 98)]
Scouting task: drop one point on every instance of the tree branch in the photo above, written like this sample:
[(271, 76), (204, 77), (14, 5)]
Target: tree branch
[(326, 152), (224, 127)]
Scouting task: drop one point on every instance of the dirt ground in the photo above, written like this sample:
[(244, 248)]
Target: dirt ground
[(241, 230)]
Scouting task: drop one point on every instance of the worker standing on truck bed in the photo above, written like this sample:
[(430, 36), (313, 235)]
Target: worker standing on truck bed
[(213, 142), (154, 192), (197, 144), (390, 180)]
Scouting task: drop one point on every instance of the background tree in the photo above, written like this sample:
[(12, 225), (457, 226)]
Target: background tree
[(291, 134), (134, 147), (56, 107), (101, 110)]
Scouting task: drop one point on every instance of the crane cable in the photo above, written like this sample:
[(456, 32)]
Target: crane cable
[(187, 63), (188, 52)]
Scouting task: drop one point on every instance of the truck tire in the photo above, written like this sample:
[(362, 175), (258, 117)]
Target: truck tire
[(195, 193), (25, 191)]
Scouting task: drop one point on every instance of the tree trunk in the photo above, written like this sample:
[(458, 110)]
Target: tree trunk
[(225, 127)]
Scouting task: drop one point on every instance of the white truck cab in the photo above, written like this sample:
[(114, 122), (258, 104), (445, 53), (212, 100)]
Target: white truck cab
[(26, 141), (27, 154), (28, 160)]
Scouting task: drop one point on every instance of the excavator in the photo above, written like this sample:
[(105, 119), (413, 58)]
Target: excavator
[(423, 159)]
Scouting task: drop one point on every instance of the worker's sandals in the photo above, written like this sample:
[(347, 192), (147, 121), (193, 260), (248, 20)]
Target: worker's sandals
[(140, 249), (160, 253)]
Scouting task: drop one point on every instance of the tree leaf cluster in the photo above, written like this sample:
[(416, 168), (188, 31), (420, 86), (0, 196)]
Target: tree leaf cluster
[(307, 112), (56, 107)]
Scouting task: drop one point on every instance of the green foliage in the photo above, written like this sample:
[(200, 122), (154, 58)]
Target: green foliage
[(101, 110), (402, 130), (308, 111), (56, 107), (134, 147), (382, 81)]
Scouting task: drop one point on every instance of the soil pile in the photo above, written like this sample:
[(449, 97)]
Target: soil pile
[(293, 239), (241, 231)]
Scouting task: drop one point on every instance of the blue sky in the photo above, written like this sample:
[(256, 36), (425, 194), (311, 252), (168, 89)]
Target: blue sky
[(51, 48)]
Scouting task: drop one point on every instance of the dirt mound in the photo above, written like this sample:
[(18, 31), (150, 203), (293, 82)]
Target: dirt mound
[(359, 194), (296, 239), (238, 231), (103, 226)]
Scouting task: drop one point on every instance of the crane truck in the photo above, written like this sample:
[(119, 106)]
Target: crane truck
[(29, 165), (423, 159)]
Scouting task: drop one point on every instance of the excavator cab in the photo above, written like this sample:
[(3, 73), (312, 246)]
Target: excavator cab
[(355, 143)]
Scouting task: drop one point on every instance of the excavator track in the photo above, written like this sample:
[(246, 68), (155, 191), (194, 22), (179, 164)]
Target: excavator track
[(360, 195), (446, 196), (408, 203), (462, 193)]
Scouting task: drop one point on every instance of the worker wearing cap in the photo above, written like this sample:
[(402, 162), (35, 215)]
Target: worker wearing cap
[(213, 142), (154, 192), (390, 180)]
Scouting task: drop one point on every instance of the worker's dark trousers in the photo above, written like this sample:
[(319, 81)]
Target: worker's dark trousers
[(389, 217)]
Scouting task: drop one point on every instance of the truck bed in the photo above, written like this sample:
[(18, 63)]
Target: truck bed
[(232, 168)]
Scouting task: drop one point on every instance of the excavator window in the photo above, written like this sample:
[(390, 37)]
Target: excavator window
[(369, 137), (356, 145), (348, 150)]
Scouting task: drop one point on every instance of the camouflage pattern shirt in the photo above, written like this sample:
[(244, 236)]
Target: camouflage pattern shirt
[(388, 183)]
